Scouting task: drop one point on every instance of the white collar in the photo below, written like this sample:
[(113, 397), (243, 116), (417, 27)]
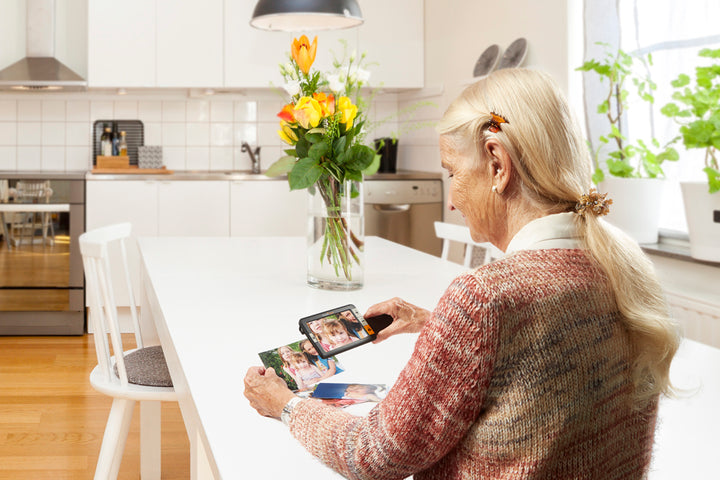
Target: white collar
[(551, 231)]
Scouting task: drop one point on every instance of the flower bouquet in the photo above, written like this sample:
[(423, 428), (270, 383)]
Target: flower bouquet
[(324, 126)]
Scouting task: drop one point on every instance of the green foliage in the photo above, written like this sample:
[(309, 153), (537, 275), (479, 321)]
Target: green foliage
[(627, 159), (697, 110)]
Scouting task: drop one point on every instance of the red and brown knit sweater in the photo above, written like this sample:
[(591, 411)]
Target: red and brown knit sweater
[(522, 372)]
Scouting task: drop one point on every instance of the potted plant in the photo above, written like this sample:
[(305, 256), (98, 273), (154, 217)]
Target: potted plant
[(634, 167), (697, 110)]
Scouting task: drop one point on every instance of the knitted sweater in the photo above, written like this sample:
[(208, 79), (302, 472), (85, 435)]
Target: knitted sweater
[(522, 372)]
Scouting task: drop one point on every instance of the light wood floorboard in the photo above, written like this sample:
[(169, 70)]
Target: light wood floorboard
[(52, 421)]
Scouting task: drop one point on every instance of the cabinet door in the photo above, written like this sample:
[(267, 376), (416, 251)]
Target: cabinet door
[(392, 36), (194, 208), (135, 201), (252, 56), (190, 43), (121, 43), (267, 208)]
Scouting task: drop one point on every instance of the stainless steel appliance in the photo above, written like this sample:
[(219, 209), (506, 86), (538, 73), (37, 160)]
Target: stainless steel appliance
[(41, 274), (403, 208)]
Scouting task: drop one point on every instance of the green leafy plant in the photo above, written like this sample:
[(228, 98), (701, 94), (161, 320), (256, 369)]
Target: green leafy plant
[(625, 159), (698, 112)]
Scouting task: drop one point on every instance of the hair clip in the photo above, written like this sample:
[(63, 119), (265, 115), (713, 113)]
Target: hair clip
[(495, 121), (593, 203)]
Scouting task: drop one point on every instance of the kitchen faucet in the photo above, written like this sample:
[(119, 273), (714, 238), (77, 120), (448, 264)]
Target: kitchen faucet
[(254, 156)]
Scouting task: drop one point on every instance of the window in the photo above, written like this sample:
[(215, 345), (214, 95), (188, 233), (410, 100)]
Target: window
[(673, 32)]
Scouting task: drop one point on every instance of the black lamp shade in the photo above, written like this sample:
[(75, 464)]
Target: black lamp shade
[(306, 15)]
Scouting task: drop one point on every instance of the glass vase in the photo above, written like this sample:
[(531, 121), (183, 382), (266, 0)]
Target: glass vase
[(336, 235)]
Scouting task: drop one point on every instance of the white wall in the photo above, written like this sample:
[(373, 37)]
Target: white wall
[(456, 34)]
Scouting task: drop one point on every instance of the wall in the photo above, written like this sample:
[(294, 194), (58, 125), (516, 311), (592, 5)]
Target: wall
[(53, 131), (456, 34)]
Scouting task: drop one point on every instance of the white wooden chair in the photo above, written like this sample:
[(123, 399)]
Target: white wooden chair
[(136, 375), (460, 233)]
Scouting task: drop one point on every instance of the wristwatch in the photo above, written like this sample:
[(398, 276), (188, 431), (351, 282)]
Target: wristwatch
[(288, 408)]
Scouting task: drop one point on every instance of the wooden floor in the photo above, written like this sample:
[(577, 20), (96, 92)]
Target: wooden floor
[(52, 421)]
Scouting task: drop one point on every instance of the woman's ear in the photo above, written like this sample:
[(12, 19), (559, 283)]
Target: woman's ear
[(499, 164)]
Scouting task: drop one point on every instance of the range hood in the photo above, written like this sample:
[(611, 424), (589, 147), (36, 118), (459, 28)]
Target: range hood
[(40, 70)]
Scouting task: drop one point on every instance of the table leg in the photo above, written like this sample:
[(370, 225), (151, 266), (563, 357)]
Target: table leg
[(199, 463)]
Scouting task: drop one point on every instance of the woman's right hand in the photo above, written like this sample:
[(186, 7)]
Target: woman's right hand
[(407, 318)]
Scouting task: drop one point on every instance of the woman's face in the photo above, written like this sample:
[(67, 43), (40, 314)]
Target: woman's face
[(316, 326), (285, 353), (308, 348), (470, 188)]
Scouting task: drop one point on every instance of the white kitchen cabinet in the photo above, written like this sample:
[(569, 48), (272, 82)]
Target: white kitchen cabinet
[(134, 201), (190, 43), (252, 56), (267, 208), (393, 36), (121, 43), (194, 208)]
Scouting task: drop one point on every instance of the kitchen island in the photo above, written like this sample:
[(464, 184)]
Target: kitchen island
[(215, 303)]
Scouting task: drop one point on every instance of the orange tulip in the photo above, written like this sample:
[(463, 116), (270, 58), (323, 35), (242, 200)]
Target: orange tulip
[(287, 113), (327, 103), (303, 52)]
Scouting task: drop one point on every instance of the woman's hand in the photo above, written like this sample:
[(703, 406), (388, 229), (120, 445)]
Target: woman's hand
[(266, 392), (407, 318)]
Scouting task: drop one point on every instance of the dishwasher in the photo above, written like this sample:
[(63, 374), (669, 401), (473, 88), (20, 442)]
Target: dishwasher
[(404, 211)]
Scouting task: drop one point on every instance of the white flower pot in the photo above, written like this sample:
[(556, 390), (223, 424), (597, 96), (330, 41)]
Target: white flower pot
[(702, 211), (636, 206)]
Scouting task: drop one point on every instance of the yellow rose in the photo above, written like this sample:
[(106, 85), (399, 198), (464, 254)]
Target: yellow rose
[(308, 112), (347, 110)]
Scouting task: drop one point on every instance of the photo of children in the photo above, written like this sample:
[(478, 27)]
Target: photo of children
[(358, 392), (336, 330), (297, 368)]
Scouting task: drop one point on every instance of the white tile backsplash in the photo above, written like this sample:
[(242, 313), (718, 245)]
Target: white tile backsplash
[(173, 134), (173, 111), (53, 110), (150, 111), (55, 131), (8, 158), (221, 158), (197, 134), (29, 110), (221, 134), (29, 133), (78, 111), (53, 158), (198, 111), (8, 133), (8, 110), (222, 112), (29, 158), (101, 110), (125, 110), (198, 158)]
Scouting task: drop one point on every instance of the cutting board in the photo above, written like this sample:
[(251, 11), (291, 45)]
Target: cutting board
[(132, 169)]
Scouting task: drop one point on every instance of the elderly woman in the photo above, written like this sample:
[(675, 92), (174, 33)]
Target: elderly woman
[(547, 363)]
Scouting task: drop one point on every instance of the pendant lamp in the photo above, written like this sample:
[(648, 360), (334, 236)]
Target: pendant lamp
[(304, 15)]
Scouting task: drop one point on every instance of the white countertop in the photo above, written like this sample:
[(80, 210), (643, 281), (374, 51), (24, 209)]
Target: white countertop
[(217, 302)]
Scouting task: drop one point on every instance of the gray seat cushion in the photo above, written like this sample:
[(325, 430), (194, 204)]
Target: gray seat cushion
[(147, 366)]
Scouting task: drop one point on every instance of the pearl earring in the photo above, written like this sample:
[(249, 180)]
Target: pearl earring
[(494, 189)]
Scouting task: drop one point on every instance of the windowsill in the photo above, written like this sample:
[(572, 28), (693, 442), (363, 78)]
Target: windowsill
[(675, 245)]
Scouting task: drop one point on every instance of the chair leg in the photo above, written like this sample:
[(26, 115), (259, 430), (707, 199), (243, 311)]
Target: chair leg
[(150, 440), (114, 439)]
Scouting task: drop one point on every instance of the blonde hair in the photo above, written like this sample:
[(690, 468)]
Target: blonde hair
[(553, 167)]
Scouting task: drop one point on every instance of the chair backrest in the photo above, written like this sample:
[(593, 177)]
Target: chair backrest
[(31, 191), (460, 233), (96, 247)]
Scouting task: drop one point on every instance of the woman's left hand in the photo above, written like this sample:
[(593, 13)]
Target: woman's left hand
[(266, 392)]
